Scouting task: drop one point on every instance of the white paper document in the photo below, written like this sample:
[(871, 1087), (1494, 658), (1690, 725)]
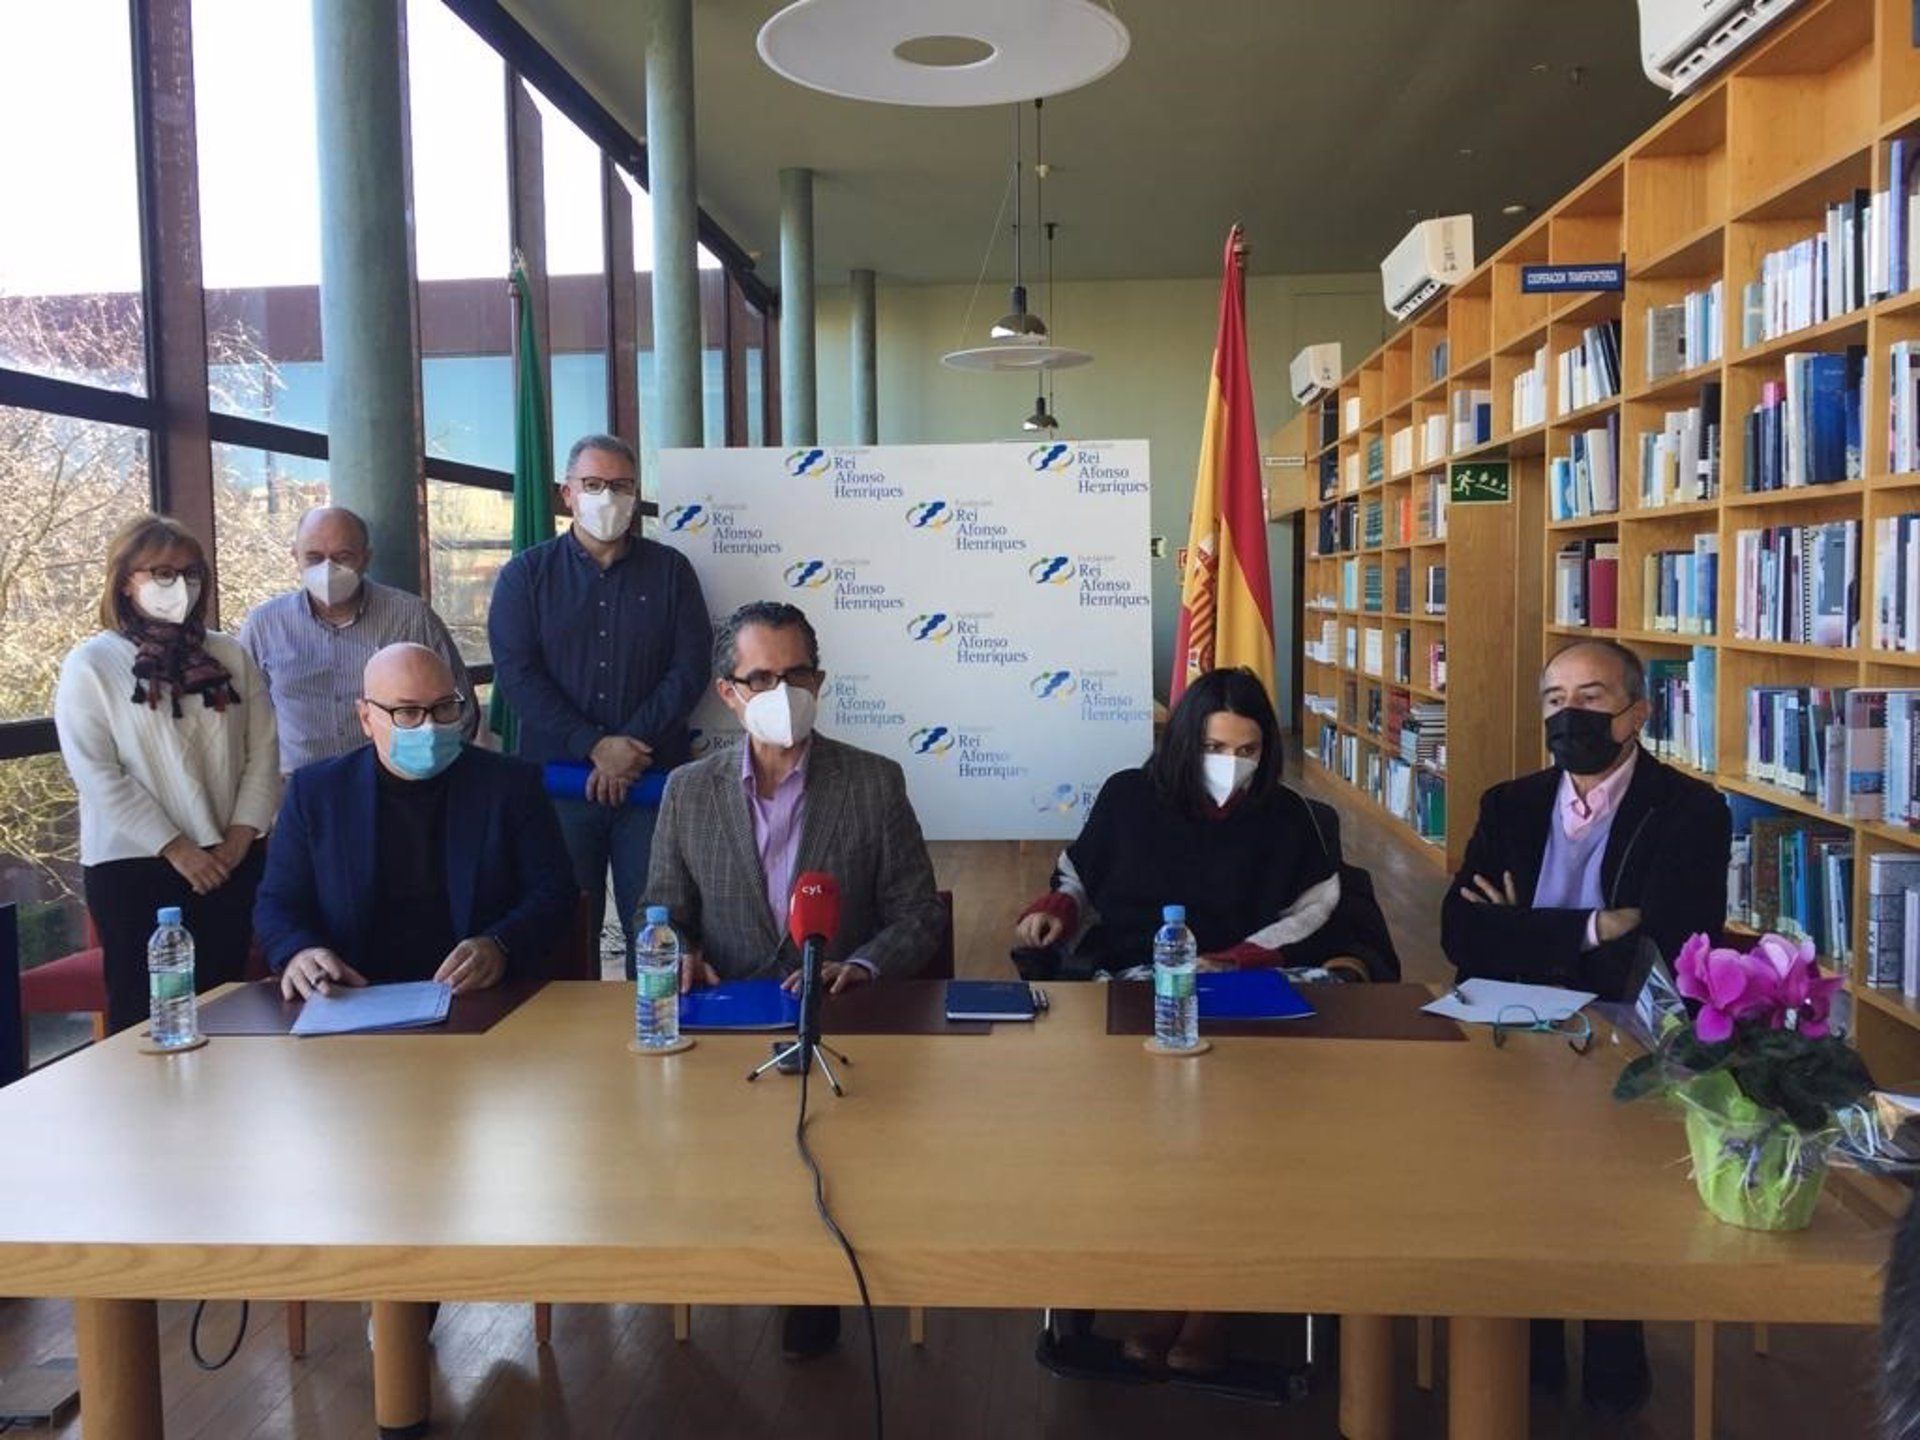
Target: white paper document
[(1483, 1002), (411, 1005)]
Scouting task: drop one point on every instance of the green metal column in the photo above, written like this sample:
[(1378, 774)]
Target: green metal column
[(676, 224), (799, 412), (366, 285), (862, 328)]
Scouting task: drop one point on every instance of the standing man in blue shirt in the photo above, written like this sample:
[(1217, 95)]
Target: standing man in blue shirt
[(600, 640)]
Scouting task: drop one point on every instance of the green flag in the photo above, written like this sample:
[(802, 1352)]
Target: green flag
[(532, 468)]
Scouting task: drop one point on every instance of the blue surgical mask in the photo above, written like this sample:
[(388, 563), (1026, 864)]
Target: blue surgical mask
[(424, 751)]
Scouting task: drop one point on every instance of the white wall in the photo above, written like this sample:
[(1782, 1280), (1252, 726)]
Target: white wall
[(1153, 345)]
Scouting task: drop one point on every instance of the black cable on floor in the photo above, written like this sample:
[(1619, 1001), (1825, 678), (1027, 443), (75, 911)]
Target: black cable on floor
[(833, 1229), (239, 1335)]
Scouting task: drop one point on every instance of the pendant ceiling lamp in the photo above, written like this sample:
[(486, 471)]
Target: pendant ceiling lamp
[(1021, 340), (943, 52), (1041, 418)]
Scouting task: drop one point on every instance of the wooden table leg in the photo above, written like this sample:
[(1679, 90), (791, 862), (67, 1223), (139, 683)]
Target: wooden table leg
[(402, 1375), (119, 1346), (1366, 1377), (1703, 1380), (1486, 1379)]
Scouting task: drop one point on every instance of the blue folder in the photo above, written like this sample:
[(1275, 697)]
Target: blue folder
[(1249, 995), (740, 1005)]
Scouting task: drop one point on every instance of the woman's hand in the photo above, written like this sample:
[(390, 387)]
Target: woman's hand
[(233, 846), (1039, 930), (203, 870)]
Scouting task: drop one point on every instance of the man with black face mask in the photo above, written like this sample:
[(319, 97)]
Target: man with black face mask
[(1577, 875)]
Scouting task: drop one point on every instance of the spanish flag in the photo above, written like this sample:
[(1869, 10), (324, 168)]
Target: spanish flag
[(1226, 596)]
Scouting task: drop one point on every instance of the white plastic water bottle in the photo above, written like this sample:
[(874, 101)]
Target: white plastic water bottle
[(656, 1000), (173, 1017), (1176, 1006)]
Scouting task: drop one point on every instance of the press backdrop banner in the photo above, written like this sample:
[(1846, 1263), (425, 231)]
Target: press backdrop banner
[(984, 611)]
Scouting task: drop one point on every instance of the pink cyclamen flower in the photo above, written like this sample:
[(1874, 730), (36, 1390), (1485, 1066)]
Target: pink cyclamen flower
[(1725, 983), (1790, 974)]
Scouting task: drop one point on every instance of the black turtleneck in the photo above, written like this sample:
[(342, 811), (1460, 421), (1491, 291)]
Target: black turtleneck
[(414, 928)]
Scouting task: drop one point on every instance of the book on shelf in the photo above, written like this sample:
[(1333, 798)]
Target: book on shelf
[(1797, 584), (1350, 474), (1437, 666), (1422, 736), (1590, 371), (1329, 474), (1896, 583), (1823, 276), (1890, 875), (1681, 694), (1685, 335), (1472, 414), (1403, 519), (1322, 647), (1586, 584), (1376, 460), (1680, 462), (1586, 480), (1371, 598), (1371, 650), (1328, 413), (1435, 602), (1403, 588), (1530, 393), (1433, 438), (1902, 204), (1679, 588), (1903, 407), (1437, 361), (1373, 524), (1806, 428), (1431, 513), (1401, 452), (1350, 648), (1350, 410), (1376, 710), (1349, 584), (1403, 656), (1797, 742)]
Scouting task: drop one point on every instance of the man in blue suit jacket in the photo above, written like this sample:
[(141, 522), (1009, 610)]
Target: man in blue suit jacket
[(416, 856)]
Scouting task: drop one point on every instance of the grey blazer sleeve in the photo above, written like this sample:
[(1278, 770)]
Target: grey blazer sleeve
[(670, 880), (908, 910)]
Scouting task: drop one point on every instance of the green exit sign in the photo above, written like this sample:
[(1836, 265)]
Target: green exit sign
[(1479, 482)]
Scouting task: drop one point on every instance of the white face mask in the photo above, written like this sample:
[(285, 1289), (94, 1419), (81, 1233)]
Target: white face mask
[(1226, 775), (782, 716), (330, 584), (168, 603), (605, 516)]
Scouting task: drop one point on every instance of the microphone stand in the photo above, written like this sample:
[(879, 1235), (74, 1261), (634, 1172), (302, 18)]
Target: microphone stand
[(808, 1048)]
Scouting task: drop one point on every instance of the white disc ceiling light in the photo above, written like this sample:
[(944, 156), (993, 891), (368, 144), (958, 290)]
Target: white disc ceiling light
[(943, 52)]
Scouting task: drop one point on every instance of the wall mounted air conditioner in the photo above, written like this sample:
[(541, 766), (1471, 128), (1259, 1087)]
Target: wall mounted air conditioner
[(1435, 254), (1315, 371), (1683, 41)]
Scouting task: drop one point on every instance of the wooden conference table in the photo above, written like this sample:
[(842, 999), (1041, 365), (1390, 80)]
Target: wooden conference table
[(1047, 1164)]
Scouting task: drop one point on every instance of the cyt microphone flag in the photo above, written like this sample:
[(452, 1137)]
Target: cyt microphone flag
[(813, 911)]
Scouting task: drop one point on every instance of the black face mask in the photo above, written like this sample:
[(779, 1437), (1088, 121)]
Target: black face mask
[(1581, 741)]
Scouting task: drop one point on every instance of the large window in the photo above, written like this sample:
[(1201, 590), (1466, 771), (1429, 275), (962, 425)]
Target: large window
[(462, 237), (576, 279), (259, 209), (259, 497), (471, 534), (70, 293)]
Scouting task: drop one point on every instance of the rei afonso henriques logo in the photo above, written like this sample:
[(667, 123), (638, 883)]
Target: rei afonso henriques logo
[(929, 515), (931, 740), (1052, 684), (1051, 570), (686, 520), (808, 462), (807, 574)]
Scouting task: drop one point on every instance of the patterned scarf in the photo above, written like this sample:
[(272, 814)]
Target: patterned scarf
[(173, 660)]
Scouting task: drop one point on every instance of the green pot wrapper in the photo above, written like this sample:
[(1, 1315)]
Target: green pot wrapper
[(1753, 1167)]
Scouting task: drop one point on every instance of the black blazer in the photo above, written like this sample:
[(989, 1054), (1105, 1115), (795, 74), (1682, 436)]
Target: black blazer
[(1666, 856)]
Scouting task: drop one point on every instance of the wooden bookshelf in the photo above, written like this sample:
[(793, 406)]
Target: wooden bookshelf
[(1745, 166)]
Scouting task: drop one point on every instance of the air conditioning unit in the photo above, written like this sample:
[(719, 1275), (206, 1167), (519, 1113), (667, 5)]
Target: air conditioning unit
[(1435, 254), (1315, 371), (1683, 41)]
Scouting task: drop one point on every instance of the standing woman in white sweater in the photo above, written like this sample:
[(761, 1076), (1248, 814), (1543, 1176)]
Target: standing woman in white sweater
[(167, 731)]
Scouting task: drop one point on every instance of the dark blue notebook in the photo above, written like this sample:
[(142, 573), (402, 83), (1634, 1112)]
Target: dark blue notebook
[(740, 1005), (1249, 995), (990, 1000)]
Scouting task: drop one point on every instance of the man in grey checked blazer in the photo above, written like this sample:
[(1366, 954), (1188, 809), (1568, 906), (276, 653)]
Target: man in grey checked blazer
[(737, 827)]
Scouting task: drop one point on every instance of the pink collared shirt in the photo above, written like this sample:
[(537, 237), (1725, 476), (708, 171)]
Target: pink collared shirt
[(1579, 814), (777, 821)]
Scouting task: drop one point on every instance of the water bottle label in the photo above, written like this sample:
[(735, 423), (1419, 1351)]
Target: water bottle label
[(165, 986), (659, 985), (1172, 984)]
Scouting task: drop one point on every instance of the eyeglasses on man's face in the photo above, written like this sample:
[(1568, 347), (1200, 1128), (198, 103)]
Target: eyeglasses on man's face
[(411, 717), (801, 677), (597, 485)]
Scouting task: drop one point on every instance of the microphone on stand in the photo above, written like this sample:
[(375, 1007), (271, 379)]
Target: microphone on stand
[(813, 920)]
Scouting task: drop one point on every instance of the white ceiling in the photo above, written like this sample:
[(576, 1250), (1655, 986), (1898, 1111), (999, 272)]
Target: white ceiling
[(1324, 128)]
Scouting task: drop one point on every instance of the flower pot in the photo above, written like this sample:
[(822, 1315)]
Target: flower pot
[(1753, 1168)]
